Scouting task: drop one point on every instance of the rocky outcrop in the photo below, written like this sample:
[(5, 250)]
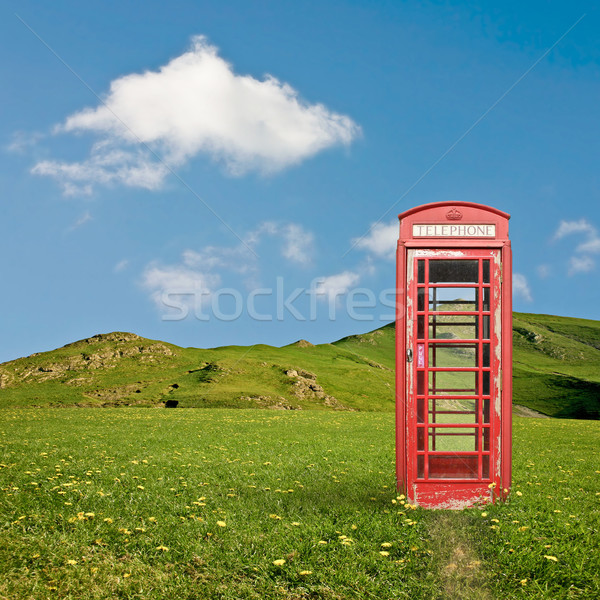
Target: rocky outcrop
[(305, 387)]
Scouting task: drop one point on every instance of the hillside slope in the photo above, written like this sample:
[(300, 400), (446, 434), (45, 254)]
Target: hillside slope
[(556, 372)]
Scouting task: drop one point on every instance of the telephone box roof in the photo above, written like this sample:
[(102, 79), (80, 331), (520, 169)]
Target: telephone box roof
[(431, 205)]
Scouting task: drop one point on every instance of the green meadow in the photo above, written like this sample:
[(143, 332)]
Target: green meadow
[(188, 504)]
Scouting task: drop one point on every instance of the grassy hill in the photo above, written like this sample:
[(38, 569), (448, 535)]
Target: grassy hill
[(556, 372)]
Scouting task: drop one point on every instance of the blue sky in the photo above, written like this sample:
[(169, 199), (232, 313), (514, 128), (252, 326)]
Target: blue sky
[(212, 173)]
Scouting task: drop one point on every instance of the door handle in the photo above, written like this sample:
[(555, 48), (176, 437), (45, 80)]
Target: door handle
[(409, 355)]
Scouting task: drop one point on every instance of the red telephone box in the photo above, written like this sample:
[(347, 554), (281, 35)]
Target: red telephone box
[(453, 355)]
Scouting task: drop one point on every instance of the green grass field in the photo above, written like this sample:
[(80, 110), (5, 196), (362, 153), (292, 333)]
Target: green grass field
[(187, 504)]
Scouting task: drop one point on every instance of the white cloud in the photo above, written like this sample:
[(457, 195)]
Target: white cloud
[(381, 239), (82, 220), (199, 272), (544, 271), (298, 244), (188, 286), (521, 287), (121, 266), (337, 285), (569, 227), (581, 262), (591, 246), (106, 165), (22, 141), (197, 104)]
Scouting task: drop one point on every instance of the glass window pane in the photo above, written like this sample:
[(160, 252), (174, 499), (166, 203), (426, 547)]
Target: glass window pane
[(485, 304), (452, 355), (453, 271), (453, 439), (453, 327), (420, 271), (486, 271), (486, 439), (453, 467), (486, 327), (421, 410), (420, 466), (485, 464), (421, 438), (421, 299), (420, 382), (421, 326), (452, 383), (486, 411), (456, 410), (486, 383), (453, 299), (486, 355)]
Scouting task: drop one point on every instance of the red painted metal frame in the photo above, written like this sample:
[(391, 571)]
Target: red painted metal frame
[(455, 493)]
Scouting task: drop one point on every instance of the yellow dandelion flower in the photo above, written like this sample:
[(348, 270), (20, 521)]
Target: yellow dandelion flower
[(384, 553), (162, 548), (221, 524), (90, 515), (152, 519), (519, 493), (125, 575), (492, 485), (71, 562), (295, 524), (484, 514), (279, 562), (108, 520), (552, 558), (322, 542), (140, 487), (305, 573), (386, 545), (276, 517)]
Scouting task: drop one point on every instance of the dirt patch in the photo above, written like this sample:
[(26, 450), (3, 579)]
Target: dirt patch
[(460, 570)]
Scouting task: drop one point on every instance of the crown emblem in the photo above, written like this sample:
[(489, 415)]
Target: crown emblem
[(454, 215)]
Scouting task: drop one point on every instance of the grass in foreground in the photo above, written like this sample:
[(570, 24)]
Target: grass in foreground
[(143, 503), (205, 504)]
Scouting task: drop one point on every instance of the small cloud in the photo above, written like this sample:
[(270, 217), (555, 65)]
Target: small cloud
[(521, 287), (381, 240), (582, 261), (581, 264), (569, 227), (333, 286), (83, 219), (196, 105), (544, 271), (591, 246), (22, 141), (106, 166), (121, 266), (298, 244), (188, 286)]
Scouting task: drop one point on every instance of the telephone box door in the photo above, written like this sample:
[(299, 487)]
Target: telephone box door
[(453, 375)]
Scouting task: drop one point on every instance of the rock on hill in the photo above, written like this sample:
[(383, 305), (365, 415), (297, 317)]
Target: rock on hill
[(556, 372)]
